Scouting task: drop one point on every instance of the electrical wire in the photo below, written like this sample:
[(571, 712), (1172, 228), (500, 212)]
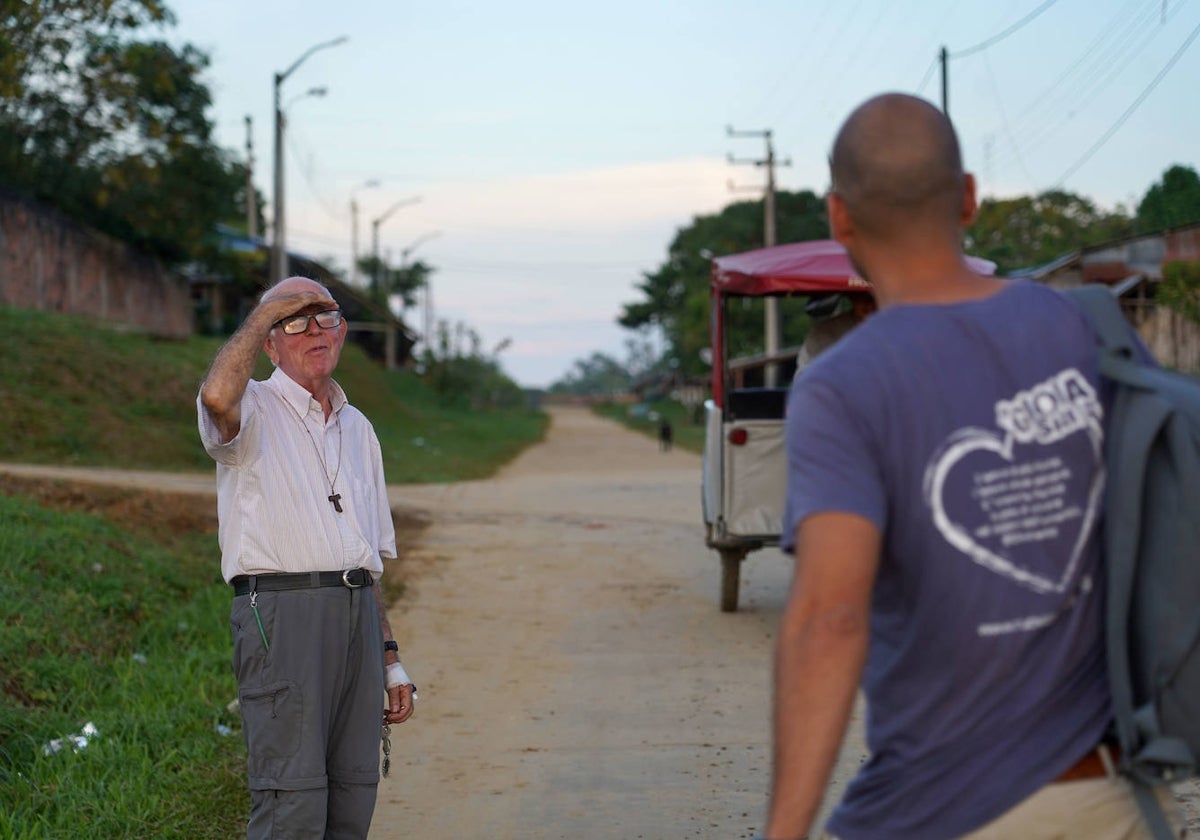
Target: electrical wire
[(928, 75), (1091, 51), (1004, 118), (1108, 63), (802, 91), (304, 159), (1000, 36), (789, 70), (1104, 138)]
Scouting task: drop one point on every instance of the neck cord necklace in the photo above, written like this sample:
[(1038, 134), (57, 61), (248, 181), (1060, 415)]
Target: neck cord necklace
[(335, 498)]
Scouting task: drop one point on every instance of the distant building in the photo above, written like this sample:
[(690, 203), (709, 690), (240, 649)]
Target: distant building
[(221, 301), (1133, 267)]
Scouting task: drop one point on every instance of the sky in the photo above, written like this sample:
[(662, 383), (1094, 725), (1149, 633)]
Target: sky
[(545, 153)]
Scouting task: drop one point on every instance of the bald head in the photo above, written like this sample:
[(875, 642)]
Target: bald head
[(295, 284), (896, 164)]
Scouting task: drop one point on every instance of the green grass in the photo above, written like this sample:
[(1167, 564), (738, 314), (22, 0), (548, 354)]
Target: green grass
[(126, 628), (112, 610), (688, 433), (76, 392)]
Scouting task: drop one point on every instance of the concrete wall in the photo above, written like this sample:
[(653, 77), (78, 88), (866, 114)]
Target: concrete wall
[(1173, 340), (50, 263)]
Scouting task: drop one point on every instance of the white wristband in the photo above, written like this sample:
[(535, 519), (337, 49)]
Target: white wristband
[(396, 675)]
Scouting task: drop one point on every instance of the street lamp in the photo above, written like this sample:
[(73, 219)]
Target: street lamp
[(312, 91), (426, 293), (404, 202), (412, 246), (374, 182), (279, 232)]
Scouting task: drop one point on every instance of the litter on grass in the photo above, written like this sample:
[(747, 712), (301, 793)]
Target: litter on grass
[(76, 742)]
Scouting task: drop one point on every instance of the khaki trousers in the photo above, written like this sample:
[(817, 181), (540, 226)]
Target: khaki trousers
[(1089, 809)]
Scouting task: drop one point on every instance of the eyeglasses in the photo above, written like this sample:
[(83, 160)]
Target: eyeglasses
[(296, 324)]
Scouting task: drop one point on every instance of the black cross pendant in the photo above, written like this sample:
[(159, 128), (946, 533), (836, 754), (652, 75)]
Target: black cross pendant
[(335, 500)]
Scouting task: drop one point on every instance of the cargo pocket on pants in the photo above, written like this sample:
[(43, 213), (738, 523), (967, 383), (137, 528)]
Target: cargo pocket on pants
[(272, 717)]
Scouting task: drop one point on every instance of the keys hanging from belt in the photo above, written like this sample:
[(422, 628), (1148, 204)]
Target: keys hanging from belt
[(387, 749)]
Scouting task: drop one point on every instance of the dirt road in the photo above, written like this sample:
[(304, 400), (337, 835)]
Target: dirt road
[(576, 676), (577, 679)]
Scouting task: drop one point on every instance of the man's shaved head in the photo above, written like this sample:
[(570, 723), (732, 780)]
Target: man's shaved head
[(896, 164), (295, 284)]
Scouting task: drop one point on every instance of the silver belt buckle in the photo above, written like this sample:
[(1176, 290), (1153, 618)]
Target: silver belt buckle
[(346, 580)]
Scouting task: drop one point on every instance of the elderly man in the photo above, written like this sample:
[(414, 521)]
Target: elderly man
[(304, 527), (945, 479)]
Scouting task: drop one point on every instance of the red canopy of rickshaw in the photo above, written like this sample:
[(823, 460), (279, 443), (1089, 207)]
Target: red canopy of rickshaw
[(798, 267), (820, 266)]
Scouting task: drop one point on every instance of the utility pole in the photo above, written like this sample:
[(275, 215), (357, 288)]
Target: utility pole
[(427, 305), (374, 182), (772, 326), (279, 260), (944, 55), (251, 198)]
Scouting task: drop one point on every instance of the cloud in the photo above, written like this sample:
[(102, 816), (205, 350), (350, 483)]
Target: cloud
[(546, 260)]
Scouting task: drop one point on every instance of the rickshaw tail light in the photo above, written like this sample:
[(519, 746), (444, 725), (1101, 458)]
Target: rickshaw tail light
[(738, 437)]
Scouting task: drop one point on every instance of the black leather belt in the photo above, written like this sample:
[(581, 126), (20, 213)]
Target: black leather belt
[(350, 578)]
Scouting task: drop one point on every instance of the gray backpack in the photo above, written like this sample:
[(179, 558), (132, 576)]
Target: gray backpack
[(1151, 539)]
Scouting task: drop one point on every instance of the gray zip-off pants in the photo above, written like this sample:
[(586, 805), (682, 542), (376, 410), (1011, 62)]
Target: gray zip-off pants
[(312, 709)]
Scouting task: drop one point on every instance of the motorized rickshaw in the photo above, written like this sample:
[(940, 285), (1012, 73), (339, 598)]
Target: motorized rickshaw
[(745, 466)]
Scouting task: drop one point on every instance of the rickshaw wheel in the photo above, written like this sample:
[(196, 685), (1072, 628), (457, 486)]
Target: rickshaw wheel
[(731, 567)]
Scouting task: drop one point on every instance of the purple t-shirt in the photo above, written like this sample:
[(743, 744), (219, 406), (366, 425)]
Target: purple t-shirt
[(971, 435)]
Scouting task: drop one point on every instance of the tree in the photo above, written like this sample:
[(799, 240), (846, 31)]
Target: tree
[(1180, 288), (597, 375), (1029, 231), (384, 280), (111, 129), (676, 296), (1170, 202), (463, 374)]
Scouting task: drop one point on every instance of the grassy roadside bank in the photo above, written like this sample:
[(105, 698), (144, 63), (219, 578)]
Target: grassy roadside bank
[(113, 610), (82, 394), (687, 434), (114, 614)]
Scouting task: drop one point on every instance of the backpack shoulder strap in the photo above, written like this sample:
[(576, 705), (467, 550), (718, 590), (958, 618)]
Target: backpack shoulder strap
[(1106, 318)]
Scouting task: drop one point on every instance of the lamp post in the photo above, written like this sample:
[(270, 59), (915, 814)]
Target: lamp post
[(416, 243), (427, 292), (373, 182), (279, 226), (404, 202), (426, 300)]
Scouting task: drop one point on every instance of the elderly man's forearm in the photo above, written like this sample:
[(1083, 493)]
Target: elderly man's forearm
[(233, 366)]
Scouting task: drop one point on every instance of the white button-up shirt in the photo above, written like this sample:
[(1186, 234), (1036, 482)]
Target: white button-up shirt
[(273, 484)]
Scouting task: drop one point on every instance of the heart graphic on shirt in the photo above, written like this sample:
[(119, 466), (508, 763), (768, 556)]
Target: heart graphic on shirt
[(1005, 512)]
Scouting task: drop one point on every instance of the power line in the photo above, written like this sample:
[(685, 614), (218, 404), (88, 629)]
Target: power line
[(928, 74), (1004, 117), (305, 167), (1091, 51), (819, 63), (1000, 36), (1129, 111), (1108, 64), (797, 57)]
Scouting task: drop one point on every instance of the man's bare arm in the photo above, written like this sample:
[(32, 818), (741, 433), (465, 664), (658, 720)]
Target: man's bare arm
[(820, 655), (223, 387), (400, 697)]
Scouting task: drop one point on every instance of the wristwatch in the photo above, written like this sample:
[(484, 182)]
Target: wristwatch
[(391, 645)]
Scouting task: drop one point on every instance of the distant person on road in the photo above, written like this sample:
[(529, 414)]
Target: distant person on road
[(666, 435), (825, 332), (304, 527), (944, 488)]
